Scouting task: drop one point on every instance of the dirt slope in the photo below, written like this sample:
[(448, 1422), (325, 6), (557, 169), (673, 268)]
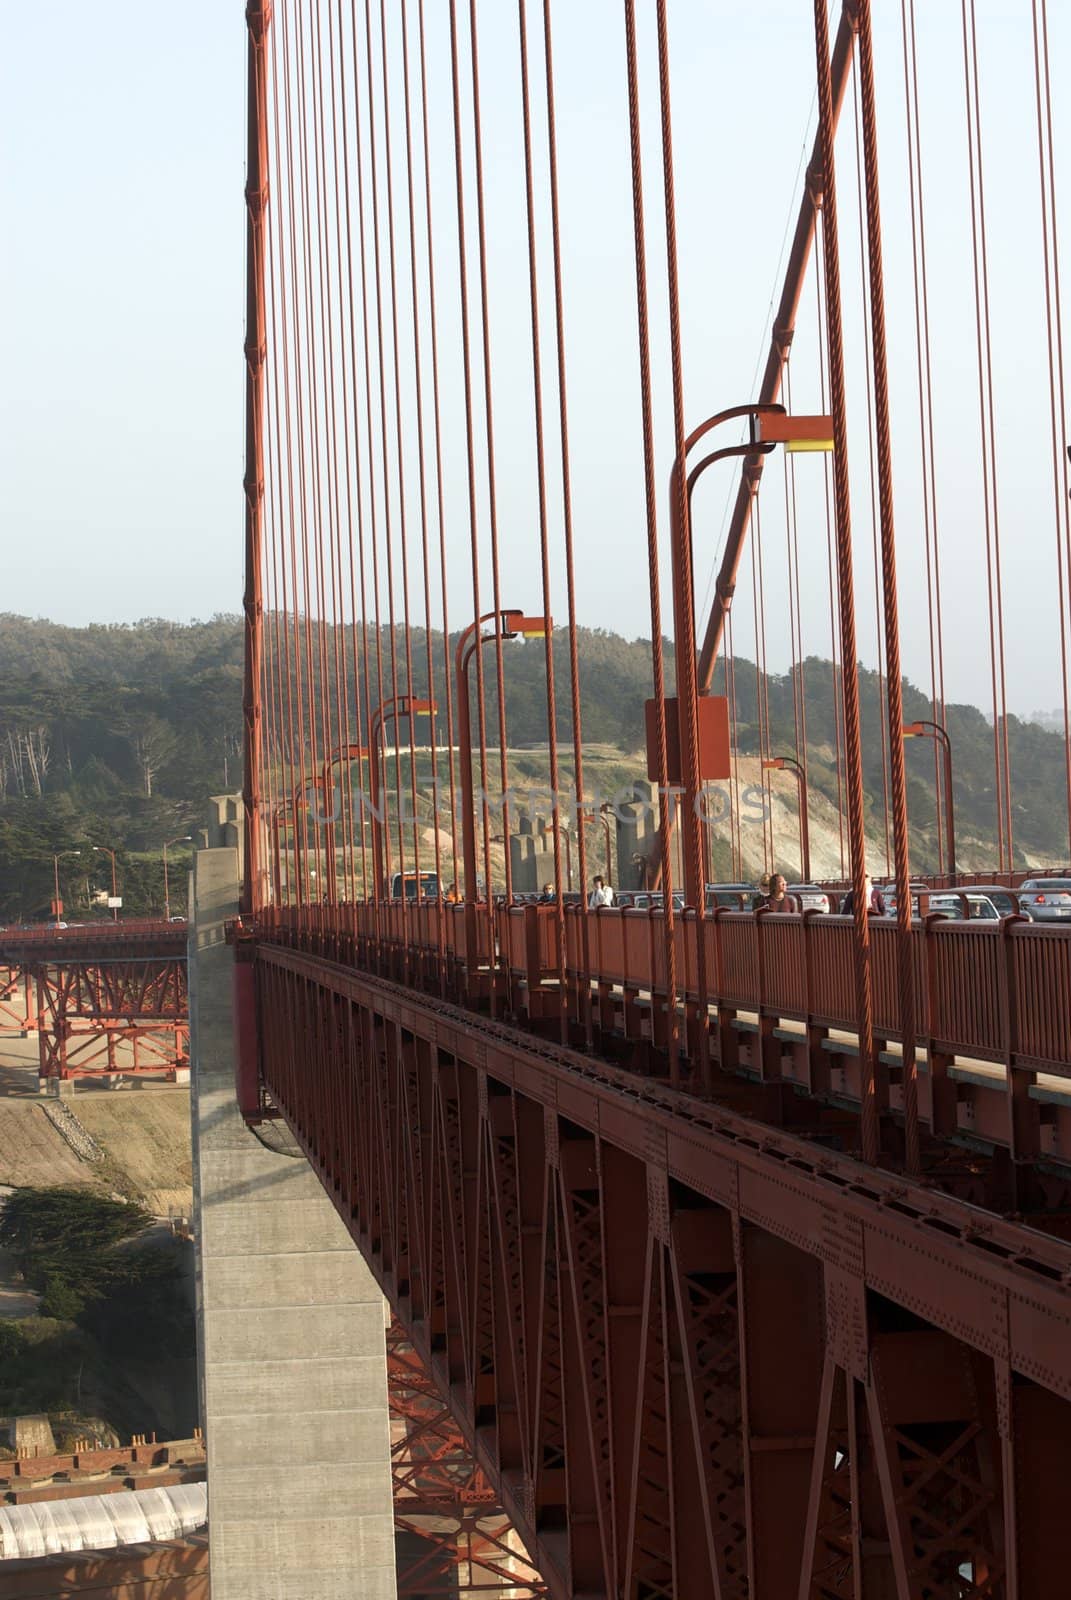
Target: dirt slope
[(145, 1133), (33, 1154)]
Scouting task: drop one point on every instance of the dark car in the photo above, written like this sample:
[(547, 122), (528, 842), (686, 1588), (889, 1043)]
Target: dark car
[(734, 896)]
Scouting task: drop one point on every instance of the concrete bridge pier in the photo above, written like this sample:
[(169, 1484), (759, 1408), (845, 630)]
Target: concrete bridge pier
[(290, 1331)]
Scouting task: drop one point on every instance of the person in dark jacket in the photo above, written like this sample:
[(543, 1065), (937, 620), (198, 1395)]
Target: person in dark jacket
[(777, 898), (875, 903)]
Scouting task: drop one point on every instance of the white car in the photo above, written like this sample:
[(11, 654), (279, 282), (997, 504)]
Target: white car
[(979, 907), (809, 897)]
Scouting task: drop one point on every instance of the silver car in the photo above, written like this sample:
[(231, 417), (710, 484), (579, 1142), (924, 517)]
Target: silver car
[(1046, 899), (810, 897)]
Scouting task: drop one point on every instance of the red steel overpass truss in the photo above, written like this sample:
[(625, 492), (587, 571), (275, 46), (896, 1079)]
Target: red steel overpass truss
[(102, 1000)]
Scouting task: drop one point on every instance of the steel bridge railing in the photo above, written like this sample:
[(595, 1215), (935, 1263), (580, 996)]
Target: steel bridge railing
[(991, 1002)]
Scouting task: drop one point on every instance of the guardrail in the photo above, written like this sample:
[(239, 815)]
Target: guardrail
[(48, 933), (992, 1001), (997, 991)]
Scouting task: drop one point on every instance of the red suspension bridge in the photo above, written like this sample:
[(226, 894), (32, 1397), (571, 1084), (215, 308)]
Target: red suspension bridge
[(736, 1243)]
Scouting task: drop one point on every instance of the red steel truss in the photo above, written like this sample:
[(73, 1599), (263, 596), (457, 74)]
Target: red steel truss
[(693, 1355), (102, 999), (460, 1540), (17, 1012)]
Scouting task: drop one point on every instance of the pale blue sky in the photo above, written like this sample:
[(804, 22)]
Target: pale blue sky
[(122, 287)]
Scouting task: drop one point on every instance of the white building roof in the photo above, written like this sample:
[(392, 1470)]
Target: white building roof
[(102, 1521)]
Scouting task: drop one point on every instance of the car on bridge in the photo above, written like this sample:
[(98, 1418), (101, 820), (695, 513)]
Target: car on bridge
[(1005, 900), (809, 896), (429, 886), (1046, 899), (966, 905), (733, 896), (888, 894), (655, 901)]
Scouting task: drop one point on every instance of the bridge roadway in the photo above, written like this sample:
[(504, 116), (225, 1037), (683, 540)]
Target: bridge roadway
[(697, 1344)]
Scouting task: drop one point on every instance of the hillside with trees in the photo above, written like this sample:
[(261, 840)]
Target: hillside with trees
[(115, 735)]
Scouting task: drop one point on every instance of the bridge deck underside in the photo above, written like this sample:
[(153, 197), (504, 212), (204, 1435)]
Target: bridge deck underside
[(695, 1355)]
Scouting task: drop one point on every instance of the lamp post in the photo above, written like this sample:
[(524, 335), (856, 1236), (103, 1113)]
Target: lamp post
[(933, 730), (343, 752), (401, 705), (511, 625), (770, 426), (57, 903), (182, 838), (790, 764), (102, 849), (600, 816)]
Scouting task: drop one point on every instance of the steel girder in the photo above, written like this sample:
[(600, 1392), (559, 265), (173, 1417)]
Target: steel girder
[(88, 1007), (17, 1014), (694, 1356), (460, 1540)]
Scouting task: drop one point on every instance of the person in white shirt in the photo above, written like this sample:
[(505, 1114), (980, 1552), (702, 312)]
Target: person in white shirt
[(601, 894)]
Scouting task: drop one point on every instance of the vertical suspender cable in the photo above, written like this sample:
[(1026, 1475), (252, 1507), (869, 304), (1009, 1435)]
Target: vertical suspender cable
[(434, 330), (735, 843), (331, 659), (894, 681), (345, 349), (312, 549), (883, 732), (683, 586), (836, 684), (1054, 333), (541, 490), (471, 889), (381, 862), (361, 670), (492, 495), (402, 516), (920, 278), (388, 521), (256, 199), (422, 487), (281, 403), (295, 410), (650, 495), (980, 258), (794, 568), (841, 484), (567, 519), (761, 732)]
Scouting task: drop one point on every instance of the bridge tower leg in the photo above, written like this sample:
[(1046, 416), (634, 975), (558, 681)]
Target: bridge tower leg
[(291, 1326)]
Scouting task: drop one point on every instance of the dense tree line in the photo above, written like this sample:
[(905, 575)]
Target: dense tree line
[(111, 1290), (115, 735)]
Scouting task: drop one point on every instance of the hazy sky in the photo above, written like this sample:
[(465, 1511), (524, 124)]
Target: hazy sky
[(122, 282)]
